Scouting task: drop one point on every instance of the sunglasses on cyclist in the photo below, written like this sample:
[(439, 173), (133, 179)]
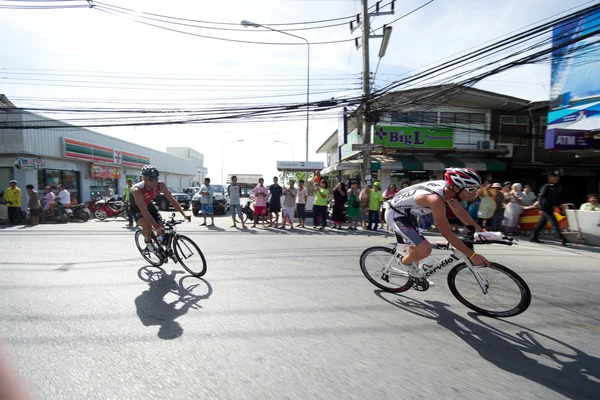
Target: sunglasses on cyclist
[(151, 179), (470, 189)]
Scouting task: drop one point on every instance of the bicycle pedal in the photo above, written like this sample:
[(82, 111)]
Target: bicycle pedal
[(419, 285)]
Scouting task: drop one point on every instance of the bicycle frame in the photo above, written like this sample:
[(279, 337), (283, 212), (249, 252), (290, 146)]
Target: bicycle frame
[(451, 260)]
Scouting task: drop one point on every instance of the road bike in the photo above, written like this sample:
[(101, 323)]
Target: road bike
[(479, 288), (179, 248)]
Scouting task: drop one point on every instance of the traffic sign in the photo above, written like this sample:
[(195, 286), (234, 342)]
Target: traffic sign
[(367, 147)]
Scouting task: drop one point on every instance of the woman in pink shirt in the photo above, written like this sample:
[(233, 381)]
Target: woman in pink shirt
[(301, 203), (260, 205)]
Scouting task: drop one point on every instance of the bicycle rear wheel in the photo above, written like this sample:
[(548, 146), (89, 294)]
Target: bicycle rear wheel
[(373, 264), (507, 293), (153, 258), (189, 255)]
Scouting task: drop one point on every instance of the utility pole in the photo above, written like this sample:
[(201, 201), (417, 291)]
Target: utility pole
[(366, 77), (365, 23)]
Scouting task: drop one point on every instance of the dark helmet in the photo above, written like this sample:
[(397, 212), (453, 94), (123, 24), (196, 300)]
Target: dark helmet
[(150, 171)]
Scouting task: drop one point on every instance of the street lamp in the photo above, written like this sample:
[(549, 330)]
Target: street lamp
[(279, 141), (247, 24), (223, 157)]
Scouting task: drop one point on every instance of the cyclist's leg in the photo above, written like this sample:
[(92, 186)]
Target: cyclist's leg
[(406, 228)]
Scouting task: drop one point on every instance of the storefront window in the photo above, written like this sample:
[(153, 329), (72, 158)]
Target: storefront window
[(97, 186), (53, 177)]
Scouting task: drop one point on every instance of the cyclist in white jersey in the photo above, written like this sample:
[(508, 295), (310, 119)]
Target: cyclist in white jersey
[(431, 197)]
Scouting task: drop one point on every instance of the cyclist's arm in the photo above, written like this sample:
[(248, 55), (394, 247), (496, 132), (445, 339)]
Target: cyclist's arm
[(167, 193), (463, 215), (139, 201), (438, 211)]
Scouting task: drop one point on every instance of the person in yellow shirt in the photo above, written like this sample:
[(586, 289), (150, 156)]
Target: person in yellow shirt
[(375, 201), (127, 197), (12, 195)]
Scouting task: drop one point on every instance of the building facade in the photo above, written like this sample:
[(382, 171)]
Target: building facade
[(418, 133), (194, 156), (42, 151)]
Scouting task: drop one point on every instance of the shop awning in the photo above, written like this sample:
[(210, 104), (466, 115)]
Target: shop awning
[(410, 162), (348, 166), (477, 163)]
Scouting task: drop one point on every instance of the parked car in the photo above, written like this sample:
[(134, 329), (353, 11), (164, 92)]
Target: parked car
[(183, 198), (220, 200), (192, 190)]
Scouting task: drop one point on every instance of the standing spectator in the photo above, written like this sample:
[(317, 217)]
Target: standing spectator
[(289, 202), (275, 206), (206, 201), (375, 200), (353, 206), (127, 197), (340, 197), (527, 197), (48, 202), (364, 197), (547, 200), (592, 204), (317, 178), (387, 195), (301, 203), (12, 195), (34, 205), (234, 190), (499, 213), (260, 205), (405, 184), (320, 204), (513, 211), (487, 206)]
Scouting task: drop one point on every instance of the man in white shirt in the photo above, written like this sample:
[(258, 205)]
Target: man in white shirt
[(63, 198), (63, 195), (234, 202), (108, 192)]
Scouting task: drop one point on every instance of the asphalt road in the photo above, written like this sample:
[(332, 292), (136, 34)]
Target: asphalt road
[(283, 315)]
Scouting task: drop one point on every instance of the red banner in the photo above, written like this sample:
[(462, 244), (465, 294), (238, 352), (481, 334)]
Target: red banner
[(102, 171)]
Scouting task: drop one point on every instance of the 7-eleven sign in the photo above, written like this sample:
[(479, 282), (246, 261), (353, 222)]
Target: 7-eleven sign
[(117, 156)]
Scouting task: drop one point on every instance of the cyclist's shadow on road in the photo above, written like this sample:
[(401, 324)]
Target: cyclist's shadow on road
[(153, 309), (515, 348)]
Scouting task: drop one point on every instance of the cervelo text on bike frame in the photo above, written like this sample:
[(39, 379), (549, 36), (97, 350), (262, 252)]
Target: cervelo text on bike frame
[(430, 270)]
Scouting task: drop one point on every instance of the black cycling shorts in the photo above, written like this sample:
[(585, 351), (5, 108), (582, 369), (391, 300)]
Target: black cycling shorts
[(137, 214), (406, 227)]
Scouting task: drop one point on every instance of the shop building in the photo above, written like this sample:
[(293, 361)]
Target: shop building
[(196, 157), (418, 133), (42, 151)]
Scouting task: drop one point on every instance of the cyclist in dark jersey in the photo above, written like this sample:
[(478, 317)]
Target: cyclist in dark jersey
[(143, 210)]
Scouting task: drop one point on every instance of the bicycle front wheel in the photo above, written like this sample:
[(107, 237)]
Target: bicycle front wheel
[(189, 255), (506, 294), (382, 269), (153, 258)]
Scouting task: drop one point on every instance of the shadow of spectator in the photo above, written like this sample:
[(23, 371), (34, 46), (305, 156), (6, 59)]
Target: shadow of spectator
[(152, 309), (516, 349)]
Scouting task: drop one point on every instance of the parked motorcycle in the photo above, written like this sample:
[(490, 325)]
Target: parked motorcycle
[(81, 211), (61, 214), (110, 208)]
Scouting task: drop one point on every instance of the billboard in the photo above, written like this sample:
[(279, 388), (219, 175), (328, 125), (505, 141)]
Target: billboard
[(413, 137), (575, 77)]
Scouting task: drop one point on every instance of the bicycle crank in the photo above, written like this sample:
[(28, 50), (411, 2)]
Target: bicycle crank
[(419, 284)]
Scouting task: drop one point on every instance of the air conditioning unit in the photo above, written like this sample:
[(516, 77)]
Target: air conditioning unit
[(486, 145), (508, 146)]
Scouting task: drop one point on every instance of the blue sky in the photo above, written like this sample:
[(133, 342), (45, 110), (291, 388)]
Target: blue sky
[(65, 41)]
